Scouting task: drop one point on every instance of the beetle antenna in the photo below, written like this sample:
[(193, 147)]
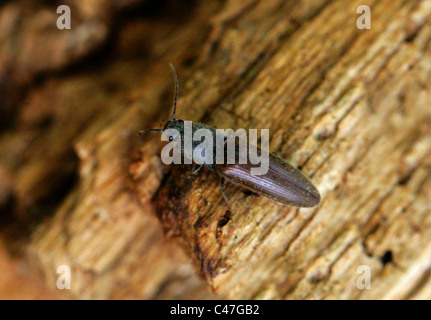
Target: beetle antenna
[(176, 90), (142, 132)]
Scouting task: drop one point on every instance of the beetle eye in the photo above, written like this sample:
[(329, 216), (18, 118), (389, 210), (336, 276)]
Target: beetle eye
[(171, 138)]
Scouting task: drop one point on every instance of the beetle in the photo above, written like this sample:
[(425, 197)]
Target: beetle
[(282, 182)]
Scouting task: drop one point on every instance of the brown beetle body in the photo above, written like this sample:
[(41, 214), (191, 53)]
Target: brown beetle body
[(282, 182)]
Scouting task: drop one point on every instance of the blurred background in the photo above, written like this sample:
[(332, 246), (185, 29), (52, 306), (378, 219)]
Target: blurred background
[(56, 86), (78, 187)]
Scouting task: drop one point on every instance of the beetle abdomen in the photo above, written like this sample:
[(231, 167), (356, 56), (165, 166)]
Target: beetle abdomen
[(281, 183)]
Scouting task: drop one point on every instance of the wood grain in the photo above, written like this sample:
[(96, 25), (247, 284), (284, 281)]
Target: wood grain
[(349, 107)]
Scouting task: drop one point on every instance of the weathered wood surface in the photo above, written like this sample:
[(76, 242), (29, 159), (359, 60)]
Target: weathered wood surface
[(350, 107)]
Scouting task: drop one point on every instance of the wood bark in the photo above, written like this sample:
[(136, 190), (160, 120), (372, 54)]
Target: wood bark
[(349, 107)]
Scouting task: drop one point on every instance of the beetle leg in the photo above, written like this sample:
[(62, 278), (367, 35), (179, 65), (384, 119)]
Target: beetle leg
[(222, 186), (196, 169)]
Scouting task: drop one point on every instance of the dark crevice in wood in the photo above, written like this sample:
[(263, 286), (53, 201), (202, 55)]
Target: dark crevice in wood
[(386, 257)]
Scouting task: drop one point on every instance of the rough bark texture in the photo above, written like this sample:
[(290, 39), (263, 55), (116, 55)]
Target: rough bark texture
[(350, 107)]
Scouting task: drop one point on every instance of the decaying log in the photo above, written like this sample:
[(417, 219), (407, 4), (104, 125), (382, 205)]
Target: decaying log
[(349, 107)]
